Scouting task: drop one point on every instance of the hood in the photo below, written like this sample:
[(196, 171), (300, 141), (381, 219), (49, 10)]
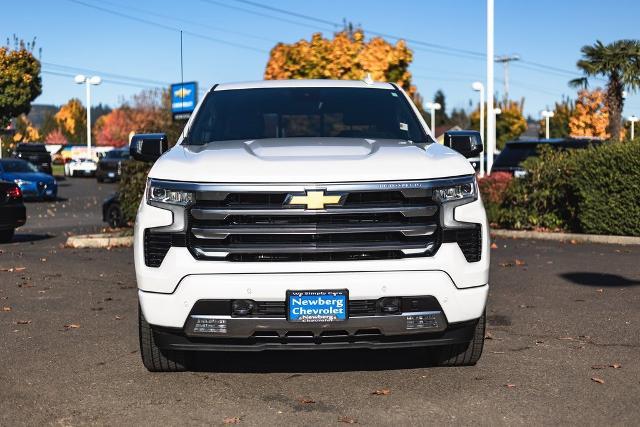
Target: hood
[(27, 176), (301, 160)]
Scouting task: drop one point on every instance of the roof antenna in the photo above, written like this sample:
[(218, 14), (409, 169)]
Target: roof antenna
[(368, 80)]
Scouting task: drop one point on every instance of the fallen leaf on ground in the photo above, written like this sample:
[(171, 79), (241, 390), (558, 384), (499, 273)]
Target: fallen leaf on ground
[(539, 342), (19, 268), (510, 385), (347, 420), (382, 392), (231, 420), (600, 290), (488, 336), (598, 367), (615, 366), (72, 326), (573, 241), (494, 246), (497, 352), (566, 338), (520, 262), (306, 401), (118, 318), (6, 308), (23, 322), (505, 264), (597, 380)]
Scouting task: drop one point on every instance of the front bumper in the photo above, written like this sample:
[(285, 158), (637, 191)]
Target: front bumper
[(176, 339), (173, 310), (34, 190)]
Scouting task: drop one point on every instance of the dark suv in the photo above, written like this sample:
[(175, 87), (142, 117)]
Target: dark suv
[(110, 166), (36, 154), (515, 152)]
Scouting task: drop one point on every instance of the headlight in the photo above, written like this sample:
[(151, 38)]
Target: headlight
[(19, 181), (173, 197), (466, 190)]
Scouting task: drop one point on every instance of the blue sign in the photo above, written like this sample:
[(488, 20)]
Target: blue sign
[(184, 97), (317, 306)]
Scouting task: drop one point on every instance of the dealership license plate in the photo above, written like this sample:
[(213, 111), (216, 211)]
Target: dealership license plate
[(317, 306)]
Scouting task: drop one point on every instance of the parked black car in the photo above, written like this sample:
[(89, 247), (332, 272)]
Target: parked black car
[(516, 152), (36, 154), (111, 211), (110, 166), (13, 214)]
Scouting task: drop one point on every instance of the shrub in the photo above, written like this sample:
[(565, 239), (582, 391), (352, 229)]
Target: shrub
[(606, 182), (493, 188), (131, 187), (594, 190)]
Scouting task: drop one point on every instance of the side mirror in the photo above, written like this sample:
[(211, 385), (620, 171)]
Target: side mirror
[(466, 142), (148, 147)]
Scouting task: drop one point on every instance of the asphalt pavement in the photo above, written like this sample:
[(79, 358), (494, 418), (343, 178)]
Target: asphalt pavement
[(562, 346)]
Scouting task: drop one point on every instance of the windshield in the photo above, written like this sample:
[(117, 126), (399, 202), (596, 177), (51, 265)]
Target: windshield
[(514, 154), (248, 114), (17, 166), (117, 154)]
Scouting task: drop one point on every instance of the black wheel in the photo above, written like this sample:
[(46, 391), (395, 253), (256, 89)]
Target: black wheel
[(114, 216), (466, 354), (6, 236), (154, 358)]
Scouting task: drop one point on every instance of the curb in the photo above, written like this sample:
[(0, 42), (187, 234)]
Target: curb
[(99, 241), (567, 237)]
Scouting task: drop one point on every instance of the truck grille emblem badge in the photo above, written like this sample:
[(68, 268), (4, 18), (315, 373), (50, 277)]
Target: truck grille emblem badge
[(315, 199)]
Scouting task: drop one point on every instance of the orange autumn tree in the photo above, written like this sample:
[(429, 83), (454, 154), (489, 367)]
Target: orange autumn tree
[(590, 116), (348, 56)]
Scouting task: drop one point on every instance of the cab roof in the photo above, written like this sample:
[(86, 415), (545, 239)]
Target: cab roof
[(265, 84)]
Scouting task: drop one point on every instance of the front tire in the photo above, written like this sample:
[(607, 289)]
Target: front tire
[(114, 216), (154, 358), (6, 236), (466, 354)]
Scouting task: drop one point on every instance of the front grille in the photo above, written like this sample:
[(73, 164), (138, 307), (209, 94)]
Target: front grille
[(259, 226)]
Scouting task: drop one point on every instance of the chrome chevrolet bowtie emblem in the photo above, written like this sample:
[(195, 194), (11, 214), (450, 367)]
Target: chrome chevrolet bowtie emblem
[(314, 200)]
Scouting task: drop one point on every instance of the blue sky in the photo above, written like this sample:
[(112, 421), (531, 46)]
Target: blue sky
[(227, 40)]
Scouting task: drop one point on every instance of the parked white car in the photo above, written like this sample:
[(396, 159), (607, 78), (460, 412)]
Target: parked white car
[(311, 214), (80, 167)]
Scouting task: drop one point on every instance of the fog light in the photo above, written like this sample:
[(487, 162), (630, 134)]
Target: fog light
[(242, 307), (389, 305), (422, 321)]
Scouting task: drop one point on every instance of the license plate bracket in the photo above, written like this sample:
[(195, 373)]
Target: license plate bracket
[(319, 306)]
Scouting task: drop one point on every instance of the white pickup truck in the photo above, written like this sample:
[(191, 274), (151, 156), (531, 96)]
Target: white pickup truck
[(310, 214)]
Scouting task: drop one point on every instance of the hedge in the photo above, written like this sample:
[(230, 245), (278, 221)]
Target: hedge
[(595, 190), (131, 187)]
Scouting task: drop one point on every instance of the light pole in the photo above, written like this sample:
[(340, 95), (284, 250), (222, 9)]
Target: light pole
[(433, 106), (479, 87), (88, 81), (547, 115), (491, 117), (633, 120)]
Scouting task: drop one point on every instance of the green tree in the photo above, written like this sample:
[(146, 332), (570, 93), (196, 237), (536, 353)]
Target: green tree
[(559, 123), (20, 81), (441, 115), (619, 62)]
